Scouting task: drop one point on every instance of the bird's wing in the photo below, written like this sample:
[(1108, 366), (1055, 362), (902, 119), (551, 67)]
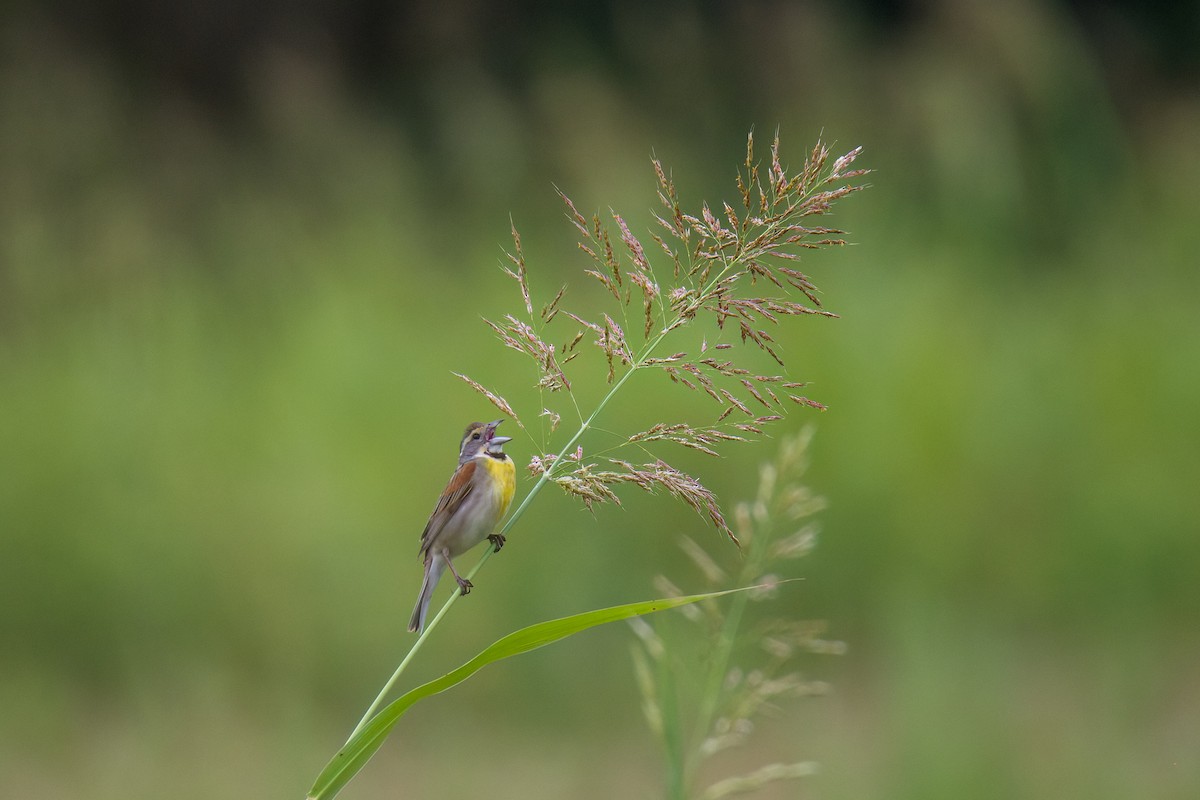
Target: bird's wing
[(456, 491)]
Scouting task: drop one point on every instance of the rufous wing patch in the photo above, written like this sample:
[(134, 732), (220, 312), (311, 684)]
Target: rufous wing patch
[(455, 492)]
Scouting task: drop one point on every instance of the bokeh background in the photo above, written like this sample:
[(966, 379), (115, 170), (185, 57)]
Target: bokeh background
[(243, 247)]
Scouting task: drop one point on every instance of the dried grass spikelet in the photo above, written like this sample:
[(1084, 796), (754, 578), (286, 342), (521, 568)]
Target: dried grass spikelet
[(610, 338), (734, 401), (748, 245), (704, 562), (650, 293), (706, 383), (540, 464), (807, 402), (642, 274), (726, 733), (589, 486), (796, 545), (759, 778), (521, 337), (495, 399), (554, 418), (702, 438), (806, 636), (737, 264), (661, 475), (517, 257), (594, 486), (613, 343), (550, 310), (597, 243), (652, 645)]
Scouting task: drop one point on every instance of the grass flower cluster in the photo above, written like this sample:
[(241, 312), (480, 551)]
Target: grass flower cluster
[(736, 267), (748, 669)]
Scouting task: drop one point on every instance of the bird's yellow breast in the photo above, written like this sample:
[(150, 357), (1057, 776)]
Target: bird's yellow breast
[(503, 473)]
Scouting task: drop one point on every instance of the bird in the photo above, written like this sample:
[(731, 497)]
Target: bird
[(476, 498)]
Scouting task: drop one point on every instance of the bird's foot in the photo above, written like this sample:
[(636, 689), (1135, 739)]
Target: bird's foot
[(497, 541)]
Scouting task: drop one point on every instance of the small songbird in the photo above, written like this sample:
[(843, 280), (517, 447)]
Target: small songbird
[(476, 498)]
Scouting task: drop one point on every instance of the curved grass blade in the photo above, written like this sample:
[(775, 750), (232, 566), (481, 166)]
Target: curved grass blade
[(358, 751)]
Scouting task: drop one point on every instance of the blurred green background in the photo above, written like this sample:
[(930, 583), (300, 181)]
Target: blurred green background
[(241, 251)]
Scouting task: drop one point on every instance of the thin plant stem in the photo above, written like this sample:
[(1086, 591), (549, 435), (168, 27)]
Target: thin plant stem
[(638, 364), (516, 515), (723, 654), (741, 255), (716, 674), (672, 742)]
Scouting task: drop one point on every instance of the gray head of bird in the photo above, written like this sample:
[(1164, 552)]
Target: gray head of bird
[(480, 438)]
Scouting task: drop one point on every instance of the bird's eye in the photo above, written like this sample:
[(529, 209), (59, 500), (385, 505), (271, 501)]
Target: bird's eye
[(475, 435)]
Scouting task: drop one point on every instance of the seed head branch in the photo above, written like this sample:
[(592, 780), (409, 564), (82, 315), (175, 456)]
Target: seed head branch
[(737, 264)]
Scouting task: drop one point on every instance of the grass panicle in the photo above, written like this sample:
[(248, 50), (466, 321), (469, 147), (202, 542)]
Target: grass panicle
[(736, 269), (750, 663), (499, 402)]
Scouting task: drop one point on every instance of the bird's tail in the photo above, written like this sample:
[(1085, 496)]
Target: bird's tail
[(434, 567)]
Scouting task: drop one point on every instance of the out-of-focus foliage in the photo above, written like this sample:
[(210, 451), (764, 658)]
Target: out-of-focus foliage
[(229, 318)]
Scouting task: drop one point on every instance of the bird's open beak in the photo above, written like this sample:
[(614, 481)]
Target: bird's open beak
[(495, 441)]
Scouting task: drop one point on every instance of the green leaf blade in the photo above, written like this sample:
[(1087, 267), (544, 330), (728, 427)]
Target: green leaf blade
[(361, 747)]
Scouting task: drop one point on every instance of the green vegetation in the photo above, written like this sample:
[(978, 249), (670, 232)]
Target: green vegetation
[(215, 461), (716, 262)]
